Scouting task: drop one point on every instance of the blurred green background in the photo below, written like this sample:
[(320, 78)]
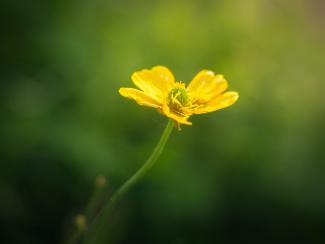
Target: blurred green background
[(252, 173)]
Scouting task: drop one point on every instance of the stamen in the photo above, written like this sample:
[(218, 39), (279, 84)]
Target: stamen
[(178, 98)]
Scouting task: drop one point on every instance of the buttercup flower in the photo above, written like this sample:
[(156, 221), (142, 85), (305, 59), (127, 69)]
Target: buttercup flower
[(158, 89)]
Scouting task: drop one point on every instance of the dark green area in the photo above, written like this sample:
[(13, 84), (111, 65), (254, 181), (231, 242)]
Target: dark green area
[(252, 173)]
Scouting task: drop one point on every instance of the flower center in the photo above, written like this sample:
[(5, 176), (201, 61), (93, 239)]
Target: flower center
[(177, 97)]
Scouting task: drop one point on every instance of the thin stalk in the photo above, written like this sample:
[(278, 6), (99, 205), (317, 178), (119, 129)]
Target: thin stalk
[(107, 208), (81, 220)]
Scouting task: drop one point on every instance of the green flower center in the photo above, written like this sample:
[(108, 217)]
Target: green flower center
[(178, 97)]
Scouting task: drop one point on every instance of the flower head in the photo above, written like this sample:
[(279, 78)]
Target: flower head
[(158, 89)]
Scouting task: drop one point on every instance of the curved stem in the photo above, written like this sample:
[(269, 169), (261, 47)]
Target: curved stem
[(109, 206)]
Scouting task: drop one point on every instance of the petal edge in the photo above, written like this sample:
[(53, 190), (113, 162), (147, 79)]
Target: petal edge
[(224, 100), (140, 97)]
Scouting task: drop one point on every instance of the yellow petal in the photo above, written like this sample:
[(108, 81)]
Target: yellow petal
[(140, 97), (205, 86), (180, 119), (157, 81), (222, 101)]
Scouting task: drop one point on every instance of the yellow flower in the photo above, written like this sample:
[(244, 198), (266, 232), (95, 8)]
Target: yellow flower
[(158, 89)]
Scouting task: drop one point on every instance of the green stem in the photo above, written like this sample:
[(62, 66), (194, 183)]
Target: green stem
[(109, 206), (81, 220)]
